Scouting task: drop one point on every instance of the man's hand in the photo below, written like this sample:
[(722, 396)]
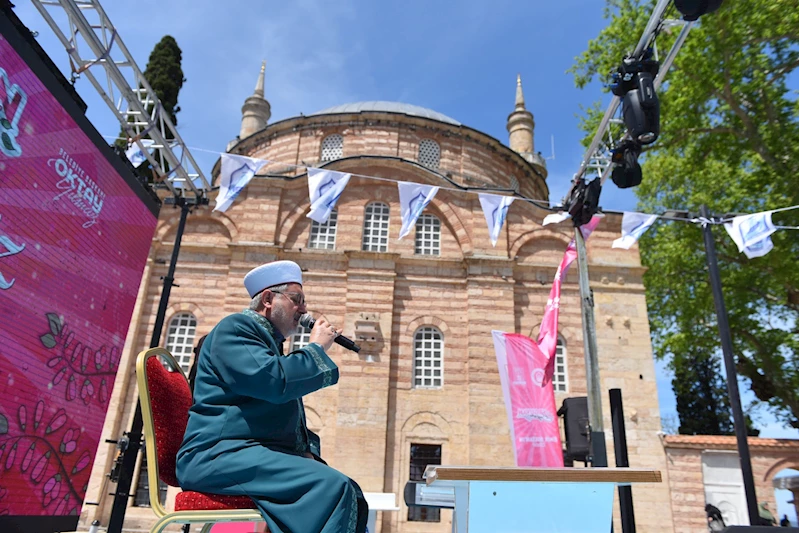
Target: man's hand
[(323, 333)]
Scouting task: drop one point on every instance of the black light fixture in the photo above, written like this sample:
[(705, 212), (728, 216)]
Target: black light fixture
[(583, 203), (627, 171), (641, 110), (634, 81), (693, 9)]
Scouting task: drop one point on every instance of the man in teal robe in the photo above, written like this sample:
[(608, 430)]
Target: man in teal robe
[(247, 433)]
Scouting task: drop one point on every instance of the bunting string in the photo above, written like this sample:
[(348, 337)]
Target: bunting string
[(750, 232)]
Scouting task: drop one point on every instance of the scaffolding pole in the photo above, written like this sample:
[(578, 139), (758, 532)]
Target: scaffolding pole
[(96, 51)]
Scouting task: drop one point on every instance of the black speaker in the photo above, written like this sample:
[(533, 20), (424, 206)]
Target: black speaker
[(575, 423)]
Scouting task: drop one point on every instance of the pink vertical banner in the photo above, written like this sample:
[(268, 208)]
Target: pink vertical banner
[(531, 402), (525, 373), (548, 334)]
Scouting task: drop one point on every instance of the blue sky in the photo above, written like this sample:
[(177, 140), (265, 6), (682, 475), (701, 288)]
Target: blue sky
[(460, 59)]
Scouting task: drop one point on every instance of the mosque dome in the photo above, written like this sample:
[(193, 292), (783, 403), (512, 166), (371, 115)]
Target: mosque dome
[(388, 107)]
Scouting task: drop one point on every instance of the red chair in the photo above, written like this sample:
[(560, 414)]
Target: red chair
[(165, 401)]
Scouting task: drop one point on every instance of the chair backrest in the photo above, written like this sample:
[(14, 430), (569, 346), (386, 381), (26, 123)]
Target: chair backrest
[(165, 401)]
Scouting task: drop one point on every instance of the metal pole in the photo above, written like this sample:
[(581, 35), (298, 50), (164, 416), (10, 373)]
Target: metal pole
[(599, 455), (620, 451), (135, 434), (732, 375), (666, 65)]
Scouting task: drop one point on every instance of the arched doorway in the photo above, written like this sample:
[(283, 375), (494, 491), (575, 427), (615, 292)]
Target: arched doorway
[(786, 491)]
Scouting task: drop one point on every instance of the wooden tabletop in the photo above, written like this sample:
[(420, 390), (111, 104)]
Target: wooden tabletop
[(492, 473)]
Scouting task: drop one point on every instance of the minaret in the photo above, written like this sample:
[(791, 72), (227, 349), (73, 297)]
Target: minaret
[(521, 124), (256, 110)]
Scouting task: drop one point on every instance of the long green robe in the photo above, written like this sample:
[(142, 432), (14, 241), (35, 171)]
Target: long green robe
[(247, 433)]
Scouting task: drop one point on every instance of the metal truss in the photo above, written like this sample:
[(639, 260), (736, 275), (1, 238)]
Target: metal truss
[(97, 52), (597, 157)]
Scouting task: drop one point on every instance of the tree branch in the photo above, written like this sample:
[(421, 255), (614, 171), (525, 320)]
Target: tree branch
[(782, 70), (763, 385)]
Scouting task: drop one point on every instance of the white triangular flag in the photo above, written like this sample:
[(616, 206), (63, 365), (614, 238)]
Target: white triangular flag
[(495, 209), (758, 249), (414, 197), (751, 229), (236, 172), (135, 154), (324, 188), (752, 233), (556, 218), (633, 225)]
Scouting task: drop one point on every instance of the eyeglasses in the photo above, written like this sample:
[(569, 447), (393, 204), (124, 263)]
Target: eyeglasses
[(297, 298)]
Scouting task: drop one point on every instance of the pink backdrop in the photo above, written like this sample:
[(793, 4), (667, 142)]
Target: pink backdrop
[(74, 238)]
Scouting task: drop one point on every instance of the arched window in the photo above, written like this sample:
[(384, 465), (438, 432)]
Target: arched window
[(180, 338), (332, 147), (428, 235), (560, 377), (375, 228), (428, 358), (300, 339), (323, 236), (429, 153)]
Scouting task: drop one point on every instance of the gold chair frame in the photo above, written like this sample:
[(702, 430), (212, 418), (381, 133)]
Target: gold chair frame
[(209, 518)]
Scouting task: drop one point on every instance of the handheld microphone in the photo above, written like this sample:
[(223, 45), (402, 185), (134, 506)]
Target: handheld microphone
[(308, 321)]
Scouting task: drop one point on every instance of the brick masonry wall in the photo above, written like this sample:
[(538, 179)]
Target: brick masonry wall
[(684, 459), (368, 421)]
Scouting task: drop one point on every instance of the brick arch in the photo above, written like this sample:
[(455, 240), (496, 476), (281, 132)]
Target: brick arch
[(426, 419), (568, 335), (316, 314), (427, 320), (171, 223), (453, 221), (184, 307), (293, 229), (781, 464), (537, 234), (288, 226), (563, 333), (291, 219), (313, 420)]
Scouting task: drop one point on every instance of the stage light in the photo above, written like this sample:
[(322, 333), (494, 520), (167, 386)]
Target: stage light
[(627, 172), (693, 9), (583, 202), (633, 81), (641, 110)]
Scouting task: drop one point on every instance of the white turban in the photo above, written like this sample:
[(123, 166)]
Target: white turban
[(271, 274)]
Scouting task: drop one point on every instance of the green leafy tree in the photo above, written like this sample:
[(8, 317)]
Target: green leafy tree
[(729, 140), (702, 404), (165, 76)]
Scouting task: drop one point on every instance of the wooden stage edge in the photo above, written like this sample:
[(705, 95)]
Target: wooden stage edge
[(573, 475)]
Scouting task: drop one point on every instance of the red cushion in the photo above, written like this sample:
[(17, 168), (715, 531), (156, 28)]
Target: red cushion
[(200, 501), (170, 400)]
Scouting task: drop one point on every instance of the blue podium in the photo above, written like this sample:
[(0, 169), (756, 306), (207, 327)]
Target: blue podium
[(528, 500)]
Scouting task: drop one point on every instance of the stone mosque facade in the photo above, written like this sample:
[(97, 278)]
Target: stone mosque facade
[(425, 387)]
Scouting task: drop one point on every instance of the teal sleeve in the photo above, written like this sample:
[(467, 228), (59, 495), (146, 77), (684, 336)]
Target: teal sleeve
[(251, 366)]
